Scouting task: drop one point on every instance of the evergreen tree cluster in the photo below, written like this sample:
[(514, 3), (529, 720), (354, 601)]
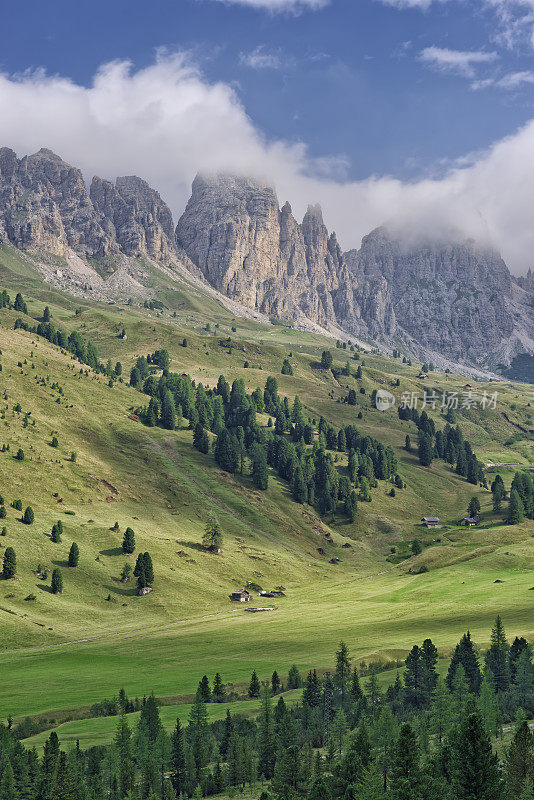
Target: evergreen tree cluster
[(448, 445), (421, 738), (299, 456)]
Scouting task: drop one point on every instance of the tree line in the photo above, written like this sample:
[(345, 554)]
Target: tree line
[(422, 737)]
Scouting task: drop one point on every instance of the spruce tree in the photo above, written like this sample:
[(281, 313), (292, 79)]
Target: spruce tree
[(294, 681), (212, 538), (254, 686), (148, 569), (351, 506), (204, 689), (496, 659), (466, 654), (219, 692), (55, 535), (168, 411), (57, 582), (128, 542), (198, 735), (516, 510), (10, 564), (519, 765), (406, 776), (29, 516), (475, 768), (299, 489), (474, 507), (260, 470), (74, 555)]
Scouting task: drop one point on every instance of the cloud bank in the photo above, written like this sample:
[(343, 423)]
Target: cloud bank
[(277, 6), (459, 62), (166, 122)]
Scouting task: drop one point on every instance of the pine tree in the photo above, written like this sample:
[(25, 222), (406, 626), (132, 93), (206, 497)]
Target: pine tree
[(497, 657), (7, 783), (128, 542), (516, 510), (200, 439), (266, 743), (57, 582), (55, 535), (179, 773), (406, 777), (326, 359), (519, 765), (168, 411), (299, 490), (474, 507), (29, 516), (254, 686), (475, 773), (488, 705), (212, 538), (425, 449), (74, 555), (204, 689), (198, 735), (343, 672), (294, 681), (466, 654), (260, 470), (351, 505), (219, 692), (499, 493), (148, 569), (10, 564)]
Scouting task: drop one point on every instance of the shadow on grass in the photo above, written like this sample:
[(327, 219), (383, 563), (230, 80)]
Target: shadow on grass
[(193, 546), (44, 588), (130, 591), (112, 551), (58, 563)]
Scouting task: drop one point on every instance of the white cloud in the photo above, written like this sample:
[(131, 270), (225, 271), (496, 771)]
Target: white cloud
[(459, 62), (276, 6), (167, 121), (402, 4), (515, 17), (262, 58), (513, 80)]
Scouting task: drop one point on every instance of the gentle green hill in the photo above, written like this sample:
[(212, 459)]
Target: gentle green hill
[(99, 635)]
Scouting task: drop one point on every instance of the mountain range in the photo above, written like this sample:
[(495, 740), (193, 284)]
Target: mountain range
[(453, 302)]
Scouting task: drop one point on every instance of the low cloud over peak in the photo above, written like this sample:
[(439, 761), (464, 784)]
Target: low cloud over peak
[(166, 122)]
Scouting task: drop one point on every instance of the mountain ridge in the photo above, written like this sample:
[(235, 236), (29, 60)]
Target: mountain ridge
[(451, 301)]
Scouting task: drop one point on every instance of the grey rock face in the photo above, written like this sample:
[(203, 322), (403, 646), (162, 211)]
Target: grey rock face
[(451, 298), (136, 216), (45, 207), (245, 246), (526, 282)]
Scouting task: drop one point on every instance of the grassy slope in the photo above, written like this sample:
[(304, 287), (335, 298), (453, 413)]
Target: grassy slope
[(163, 489)]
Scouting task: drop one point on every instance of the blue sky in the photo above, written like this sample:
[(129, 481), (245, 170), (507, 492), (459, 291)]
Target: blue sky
[(348, 78), (408, 90)]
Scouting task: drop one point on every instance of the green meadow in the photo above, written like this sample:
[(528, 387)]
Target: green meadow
[(68, 651)]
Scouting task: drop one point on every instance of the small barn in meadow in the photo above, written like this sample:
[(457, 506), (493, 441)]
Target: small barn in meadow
[(241, 596), (430, 522), (468, 522)]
